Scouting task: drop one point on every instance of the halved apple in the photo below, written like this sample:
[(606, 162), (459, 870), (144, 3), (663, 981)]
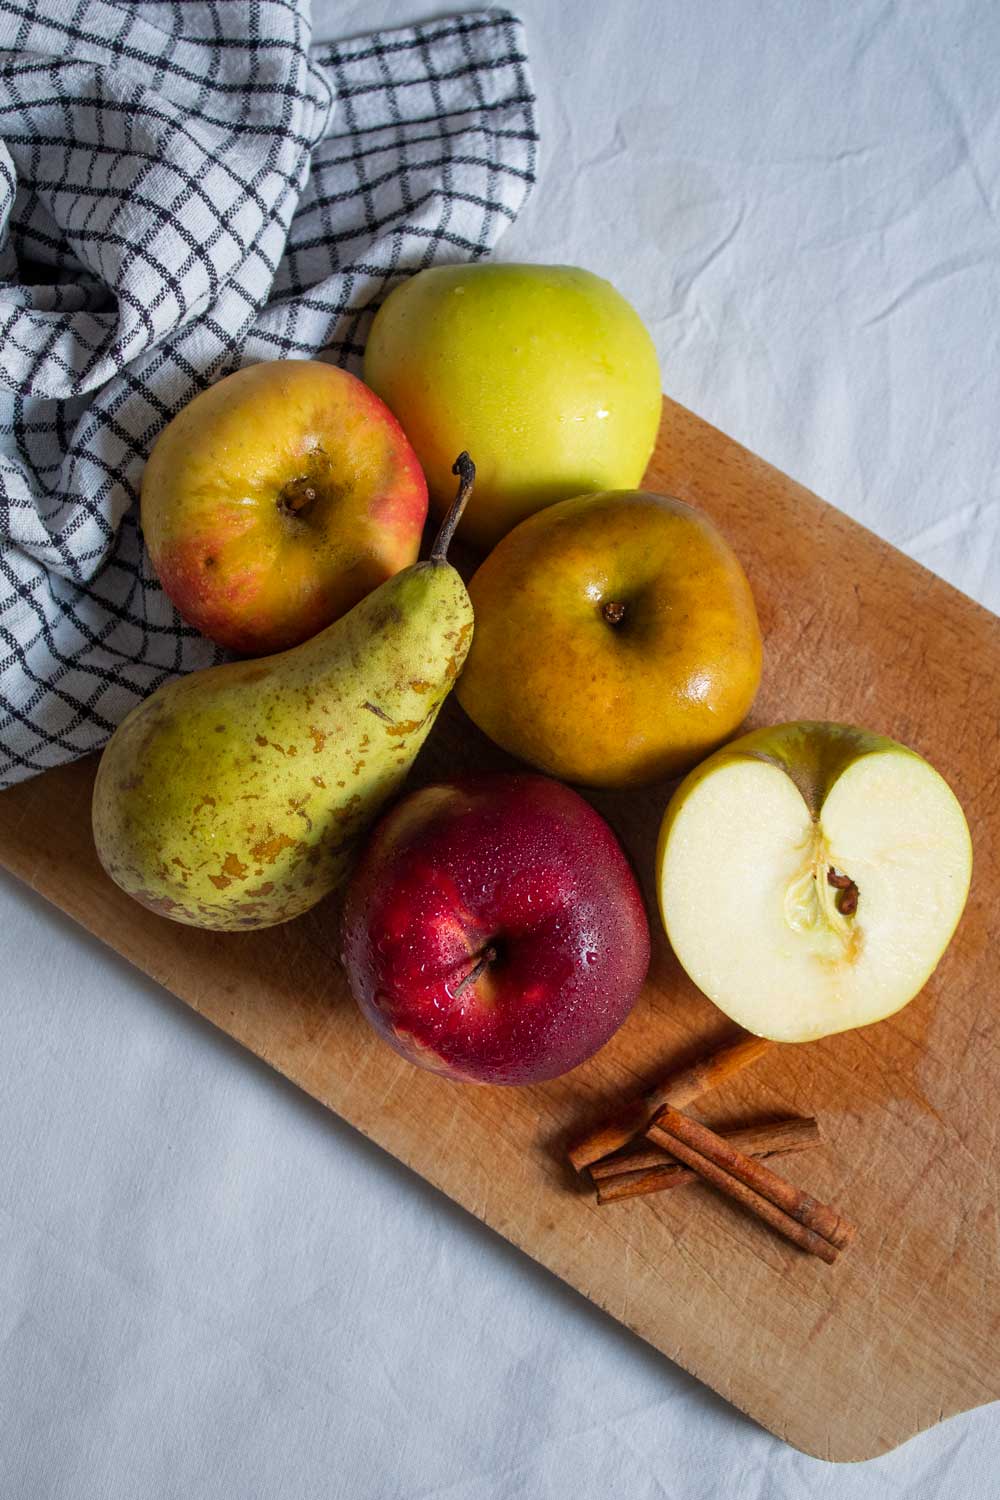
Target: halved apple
[(811, 876)]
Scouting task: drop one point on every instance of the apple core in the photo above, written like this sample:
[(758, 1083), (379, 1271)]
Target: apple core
[(815, 904)]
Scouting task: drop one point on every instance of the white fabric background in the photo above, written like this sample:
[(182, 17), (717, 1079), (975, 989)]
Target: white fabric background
[(208, 1286)]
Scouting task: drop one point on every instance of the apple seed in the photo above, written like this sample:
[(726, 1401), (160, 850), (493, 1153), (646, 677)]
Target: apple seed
[(848, 893)]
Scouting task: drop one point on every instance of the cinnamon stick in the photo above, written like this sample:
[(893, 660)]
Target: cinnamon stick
[(676, 1089), (812, 1225), (636, 1159), (655, 1171)]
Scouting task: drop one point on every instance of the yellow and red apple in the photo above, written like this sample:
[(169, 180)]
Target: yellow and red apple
[(276, 499)]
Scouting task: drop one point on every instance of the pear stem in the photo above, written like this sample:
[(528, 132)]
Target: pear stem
[(466, 471)]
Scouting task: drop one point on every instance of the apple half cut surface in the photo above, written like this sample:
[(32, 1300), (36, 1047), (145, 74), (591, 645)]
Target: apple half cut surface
[(811, 876)]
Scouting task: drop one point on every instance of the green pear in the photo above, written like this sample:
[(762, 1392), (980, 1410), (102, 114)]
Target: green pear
[(234, 798)]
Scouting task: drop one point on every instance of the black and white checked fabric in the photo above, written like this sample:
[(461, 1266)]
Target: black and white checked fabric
[(187, 187)]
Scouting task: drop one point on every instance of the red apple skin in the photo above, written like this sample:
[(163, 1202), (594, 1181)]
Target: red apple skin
[(240, 554), (519, 863)]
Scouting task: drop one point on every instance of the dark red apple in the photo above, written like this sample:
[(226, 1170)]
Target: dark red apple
[(494, 931)]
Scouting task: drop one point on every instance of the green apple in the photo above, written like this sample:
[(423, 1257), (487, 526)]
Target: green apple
[(544, 373), (811, 876)]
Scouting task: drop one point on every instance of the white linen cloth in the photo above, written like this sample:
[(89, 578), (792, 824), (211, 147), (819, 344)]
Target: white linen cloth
[(209, 1289), (185, 189)]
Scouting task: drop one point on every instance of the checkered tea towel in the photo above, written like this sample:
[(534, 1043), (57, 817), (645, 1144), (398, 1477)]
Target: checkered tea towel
[(186, 188)]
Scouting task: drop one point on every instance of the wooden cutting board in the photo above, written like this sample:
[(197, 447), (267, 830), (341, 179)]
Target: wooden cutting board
[(844, 1362)]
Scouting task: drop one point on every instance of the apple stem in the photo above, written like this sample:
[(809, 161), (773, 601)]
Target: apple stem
[(466, 471), (487, 957), (613, 612), (296, 497)]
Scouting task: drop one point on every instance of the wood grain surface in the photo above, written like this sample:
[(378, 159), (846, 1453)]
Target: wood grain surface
[(844, 1362)]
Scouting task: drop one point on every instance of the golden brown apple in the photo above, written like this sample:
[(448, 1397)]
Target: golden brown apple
[(616, 639)]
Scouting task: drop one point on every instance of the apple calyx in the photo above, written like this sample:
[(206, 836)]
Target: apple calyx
[(820, 902), (488, 956), (613, 611)]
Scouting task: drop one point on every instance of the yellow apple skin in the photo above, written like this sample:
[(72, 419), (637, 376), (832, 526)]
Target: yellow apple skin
[(812, 752), (544, 373), (554, 678), (276, 500)]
